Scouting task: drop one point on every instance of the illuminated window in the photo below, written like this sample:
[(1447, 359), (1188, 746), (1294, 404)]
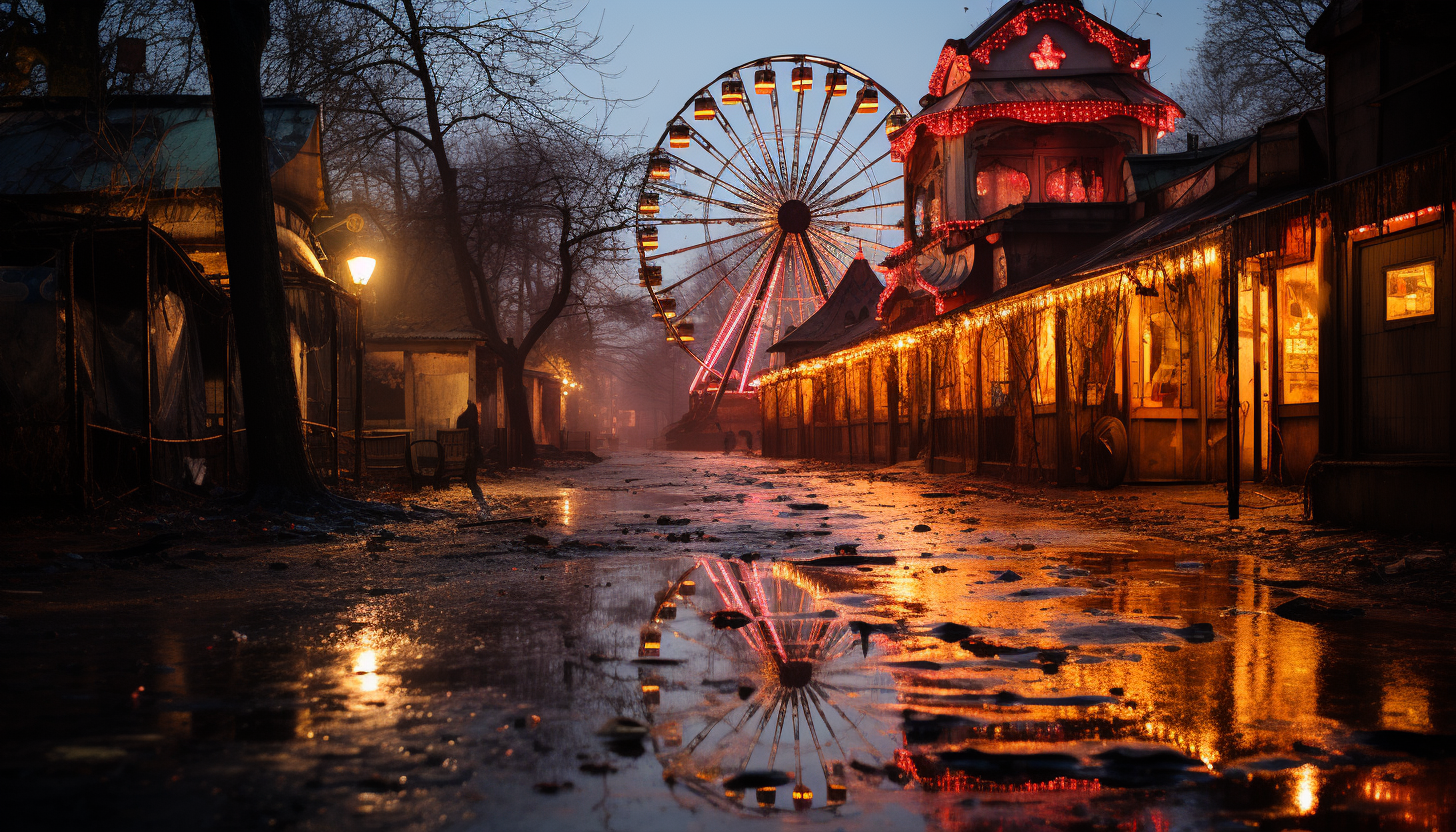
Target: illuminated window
[(1299, 331), (1410, 291), (1075, 181), (1165, 356), (999, 185), (995, 369), (1044, 387)]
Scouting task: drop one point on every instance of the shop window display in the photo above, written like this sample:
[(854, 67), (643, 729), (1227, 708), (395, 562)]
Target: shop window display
[(1410, 291), (1165, 358), (1044, 388), (1001, 183), (1299, 334), (1074, 180)]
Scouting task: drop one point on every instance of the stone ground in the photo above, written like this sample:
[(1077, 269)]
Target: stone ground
[(1118, 661)]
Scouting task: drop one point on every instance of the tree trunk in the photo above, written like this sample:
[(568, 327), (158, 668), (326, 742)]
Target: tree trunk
[(520, 449), (72, 47), (233, 35)]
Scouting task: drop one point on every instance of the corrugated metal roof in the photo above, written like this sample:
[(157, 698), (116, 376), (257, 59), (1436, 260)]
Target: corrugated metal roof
[(1151, 171), (69, 148)]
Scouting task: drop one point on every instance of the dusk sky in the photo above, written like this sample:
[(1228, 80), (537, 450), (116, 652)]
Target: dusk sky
[(670, 50)]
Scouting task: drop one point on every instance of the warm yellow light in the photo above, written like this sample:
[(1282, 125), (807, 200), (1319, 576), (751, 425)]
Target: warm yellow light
[(361, 268), (1306, 789)]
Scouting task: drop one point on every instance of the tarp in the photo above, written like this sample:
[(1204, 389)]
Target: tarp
[(161, 144)]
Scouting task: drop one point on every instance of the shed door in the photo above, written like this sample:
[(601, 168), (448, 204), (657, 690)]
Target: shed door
[(441, 388), (1404, 400)]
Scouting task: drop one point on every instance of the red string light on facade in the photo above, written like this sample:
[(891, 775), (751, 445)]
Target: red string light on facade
[(942, 69), (1047, 55), (959, 781), (958, 122), (1123, 51), (899, 269), (1140, 62)]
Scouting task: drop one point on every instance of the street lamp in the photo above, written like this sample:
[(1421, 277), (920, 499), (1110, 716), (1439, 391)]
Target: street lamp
[(361, 268)]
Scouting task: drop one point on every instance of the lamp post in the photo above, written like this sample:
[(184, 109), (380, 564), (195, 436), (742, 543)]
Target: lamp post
[(361, 268)]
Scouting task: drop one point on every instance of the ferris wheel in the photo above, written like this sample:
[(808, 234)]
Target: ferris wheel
[(749, 215)]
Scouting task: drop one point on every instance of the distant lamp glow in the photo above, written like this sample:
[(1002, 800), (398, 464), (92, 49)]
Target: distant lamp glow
[(361, 268)]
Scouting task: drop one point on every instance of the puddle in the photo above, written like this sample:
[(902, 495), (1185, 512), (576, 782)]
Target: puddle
[(1112, 687)]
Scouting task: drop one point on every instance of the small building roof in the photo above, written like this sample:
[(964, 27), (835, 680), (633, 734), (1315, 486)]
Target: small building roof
[(857, 293), (54, 147), (1151, 171), (1114, 87)]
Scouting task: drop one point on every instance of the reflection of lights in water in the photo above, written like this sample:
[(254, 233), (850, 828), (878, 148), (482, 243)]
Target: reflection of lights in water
[(566, 508), (365, 665), (1405, 704), (959, 781), (366, 662), (1306, 788), (793, 712)]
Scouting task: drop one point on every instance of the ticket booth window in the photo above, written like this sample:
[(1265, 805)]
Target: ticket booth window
[(1299, 334), (1410, 291)]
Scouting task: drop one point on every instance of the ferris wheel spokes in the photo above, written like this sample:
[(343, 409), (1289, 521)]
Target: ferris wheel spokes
[(703, 245), (754, 309), (760, 242), (758, 134), (761, 202), (769, 196), (821, 207), (849, 157), (803, 177), (778, 234)]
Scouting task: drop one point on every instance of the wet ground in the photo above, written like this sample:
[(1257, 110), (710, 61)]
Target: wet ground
[(662, 653)]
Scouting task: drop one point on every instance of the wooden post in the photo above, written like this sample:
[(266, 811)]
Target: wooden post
[(1231, 290), (77, 446), (359, 387), (147, 358), (1066, 462), (338, 333), (870, 408), (930, 384), (892, 402)]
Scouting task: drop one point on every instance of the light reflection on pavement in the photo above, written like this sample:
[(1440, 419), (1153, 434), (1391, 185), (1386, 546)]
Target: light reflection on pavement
[(1097, 680)]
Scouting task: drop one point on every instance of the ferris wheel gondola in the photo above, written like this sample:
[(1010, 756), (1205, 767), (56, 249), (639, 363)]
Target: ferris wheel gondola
[(746, 219)]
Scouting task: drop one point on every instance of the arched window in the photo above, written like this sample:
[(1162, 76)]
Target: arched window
[(999, 185), (1075, 181)]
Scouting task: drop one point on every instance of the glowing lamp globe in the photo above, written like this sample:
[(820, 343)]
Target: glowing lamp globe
[(361, 269)]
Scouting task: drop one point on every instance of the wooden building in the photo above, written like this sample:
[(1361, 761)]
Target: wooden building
[(117, 370), (1060, 307), (1387, 438), (418, 382), (154, 159)]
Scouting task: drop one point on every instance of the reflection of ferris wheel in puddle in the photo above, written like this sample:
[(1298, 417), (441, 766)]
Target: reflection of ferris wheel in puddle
[(787, 717)]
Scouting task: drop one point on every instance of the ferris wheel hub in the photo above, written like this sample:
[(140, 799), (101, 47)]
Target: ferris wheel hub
[(794, 217)]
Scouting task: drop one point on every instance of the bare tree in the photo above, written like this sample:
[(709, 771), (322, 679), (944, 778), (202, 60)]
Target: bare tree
[(443, 70), (234, 33), (1251, 66)]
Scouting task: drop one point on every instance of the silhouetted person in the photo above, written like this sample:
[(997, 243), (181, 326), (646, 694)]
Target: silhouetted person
[(729, 442), (470, 421), (747, 441)]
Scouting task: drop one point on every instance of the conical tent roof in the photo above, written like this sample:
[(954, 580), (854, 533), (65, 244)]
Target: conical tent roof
[(852, 300)]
